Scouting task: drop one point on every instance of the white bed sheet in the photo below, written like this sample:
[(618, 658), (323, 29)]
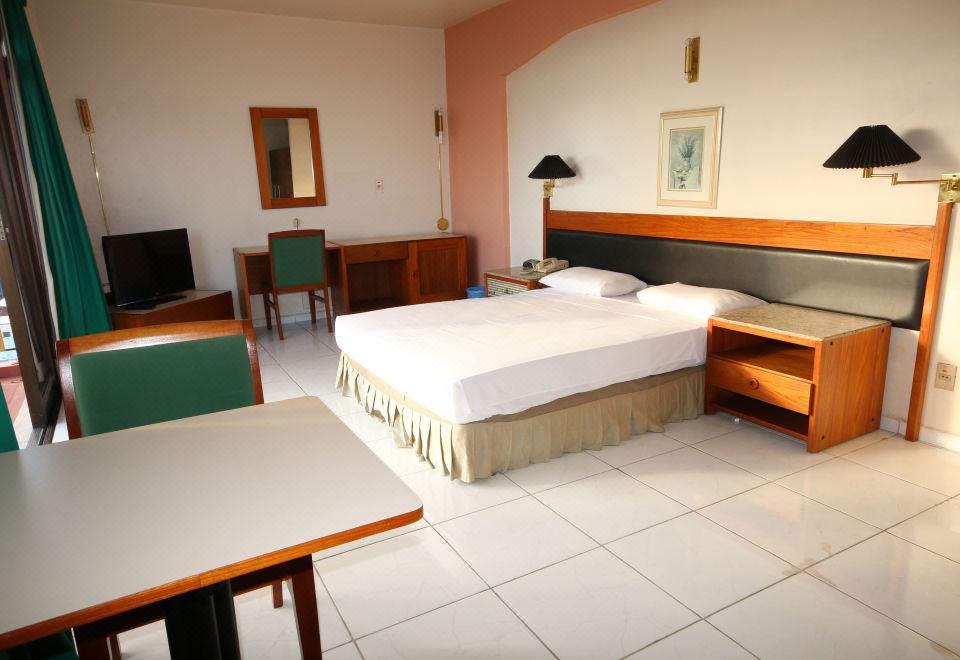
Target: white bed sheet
[(467, 360)]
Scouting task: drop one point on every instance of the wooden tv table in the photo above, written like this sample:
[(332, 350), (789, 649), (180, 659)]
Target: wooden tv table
[(199, 305), (372, 273), (111, 531)]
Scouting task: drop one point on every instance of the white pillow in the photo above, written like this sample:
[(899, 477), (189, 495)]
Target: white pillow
[(697, 301), (592, 281)]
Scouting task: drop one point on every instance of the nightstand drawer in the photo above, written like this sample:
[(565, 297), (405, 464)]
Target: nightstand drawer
[(790, 393)]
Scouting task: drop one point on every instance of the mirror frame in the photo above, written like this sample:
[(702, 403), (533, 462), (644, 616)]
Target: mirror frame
[(257, 115)]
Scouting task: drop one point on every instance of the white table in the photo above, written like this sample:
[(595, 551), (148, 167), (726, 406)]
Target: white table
[(103, 525)]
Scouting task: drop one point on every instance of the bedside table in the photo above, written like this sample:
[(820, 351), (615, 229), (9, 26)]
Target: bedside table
[(504, 281), (814, 375)]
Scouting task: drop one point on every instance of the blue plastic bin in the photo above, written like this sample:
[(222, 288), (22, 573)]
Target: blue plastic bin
[(475, 292)]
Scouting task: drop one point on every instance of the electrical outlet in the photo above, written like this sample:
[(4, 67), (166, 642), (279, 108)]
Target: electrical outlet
[(946, 376)]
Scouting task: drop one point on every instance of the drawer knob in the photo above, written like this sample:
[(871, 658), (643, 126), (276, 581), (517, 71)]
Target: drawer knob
[(754, 384), (376, 253)]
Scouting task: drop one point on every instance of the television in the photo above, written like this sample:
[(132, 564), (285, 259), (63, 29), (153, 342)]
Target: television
[(146, 267)]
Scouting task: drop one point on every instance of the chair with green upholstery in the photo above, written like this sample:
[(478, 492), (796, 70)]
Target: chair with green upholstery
[(54, 647), (138, 376), (298, 264)]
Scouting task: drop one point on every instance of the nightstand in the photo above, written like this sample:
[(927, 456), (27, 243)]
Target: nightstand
[(504, 281), (817, 376)]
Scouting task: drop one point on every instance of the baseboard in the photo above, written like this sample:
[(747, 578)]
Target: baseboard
[(940, 438), (890, 424), (293, 318), (927, 435)]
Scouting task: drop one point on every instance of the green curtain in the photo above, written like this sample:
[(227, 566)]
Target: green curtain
[(8, 439), (81, 307)]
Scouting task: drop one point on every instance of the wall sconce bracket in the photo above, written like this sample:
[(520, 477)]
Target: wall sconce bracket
[(691, 60), (949, 183)]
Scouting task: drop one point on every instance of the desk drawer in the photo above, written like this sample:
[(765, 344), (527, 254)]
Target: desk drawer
[(784, 391), (356, 254)]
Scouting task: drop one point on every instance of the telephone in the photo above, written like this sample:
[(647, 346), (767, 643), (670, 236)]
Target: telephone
[(551, 264)]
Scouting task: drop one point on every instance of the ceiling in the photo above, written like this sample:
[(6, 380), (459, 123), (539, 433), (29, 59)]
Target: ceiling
[(419, 13)]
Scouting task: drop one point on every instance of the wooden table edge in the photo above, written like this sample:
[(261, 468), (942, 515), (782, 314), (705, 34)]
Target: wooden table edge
[(162, 592)]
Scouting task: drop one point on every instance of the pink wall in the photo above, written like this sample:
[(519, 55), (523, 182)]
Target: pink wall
[(480, 52)]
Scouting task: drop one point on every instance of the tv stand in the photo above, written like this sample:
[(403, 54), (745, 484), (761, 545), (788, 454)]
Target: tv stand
[(191, 305), (149, 304)]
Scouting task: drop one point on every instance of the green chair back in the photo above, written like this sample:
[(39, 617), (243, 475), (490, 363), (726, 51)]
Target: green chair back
[(144, 385), (298, 260)]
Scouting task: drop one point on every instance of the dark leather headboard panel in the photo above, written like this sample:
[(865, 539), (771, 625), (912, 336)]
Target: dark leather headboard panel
[(881, 287)]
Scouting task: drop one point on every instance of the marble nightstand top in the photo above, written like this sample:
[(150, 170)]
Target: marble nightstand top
[(815, 324)]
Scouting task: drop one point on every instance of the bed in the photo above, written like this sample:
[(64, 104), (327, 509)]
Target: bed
[(481, 386), (536, 381)]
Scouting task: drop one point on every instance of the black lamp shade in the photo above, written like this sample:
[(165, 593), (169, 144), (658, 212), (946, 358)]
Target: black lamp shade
[(551, 167), (872, 146)]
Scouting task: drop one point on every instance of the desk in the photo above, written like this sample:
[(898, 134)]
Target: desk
[(372, 273), (103, 525)]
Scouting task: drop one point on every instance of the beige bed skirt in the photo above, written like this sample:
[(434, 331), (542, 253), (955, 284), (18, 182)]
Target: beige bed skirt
[(478, 450)]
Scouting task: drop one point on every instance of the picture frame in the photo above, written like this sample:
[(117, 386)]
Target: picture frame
[(689, 162)]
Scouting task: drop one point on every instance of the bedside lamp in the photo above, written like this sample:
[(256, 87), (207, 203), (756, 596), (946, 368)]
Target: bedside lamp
[(550, 169), (878, 146)]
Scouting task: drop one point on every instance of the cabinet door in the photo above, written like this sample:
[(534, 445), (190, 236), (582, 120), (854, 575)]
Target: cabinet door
[(439, 270)]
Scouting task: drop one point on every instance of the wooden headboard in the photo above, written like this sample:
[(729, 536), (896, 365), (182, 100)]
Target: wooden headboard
[(917, 250)]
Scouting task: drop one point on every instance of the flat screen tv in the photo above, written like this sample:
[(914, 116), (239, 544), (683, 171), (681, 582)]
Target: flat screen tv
[(148, 266)]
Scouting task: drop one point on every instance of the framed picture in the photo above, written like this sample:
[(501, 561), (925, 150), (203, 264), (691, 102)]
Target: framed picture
[(689, 158)]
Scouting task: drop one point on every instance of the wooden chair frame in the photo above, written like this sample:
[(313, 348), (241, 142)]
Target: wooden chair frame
[(154, 335), (273, 297)]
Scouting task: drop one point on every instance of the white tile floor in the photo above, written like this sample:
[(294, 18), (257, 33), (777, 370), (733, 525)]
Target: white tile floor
[(712, 540)]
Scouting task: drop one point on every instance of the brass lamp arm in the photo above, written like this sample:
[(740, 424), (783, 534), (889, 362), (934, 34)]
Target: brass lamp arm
[(949, 183)]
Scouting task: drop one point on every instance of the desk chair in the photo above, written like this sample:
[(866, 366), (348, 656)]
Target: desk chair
[(298, 264), (138, 376), (53, 647)]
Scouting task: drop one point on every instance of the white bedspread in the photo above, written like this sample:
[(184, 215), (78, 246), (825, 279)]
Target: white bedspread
[(468, 360)]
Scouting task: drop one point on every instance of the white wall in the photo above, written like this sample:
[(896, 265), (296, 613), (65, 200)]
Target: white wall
[(170, 90), (795, 79)]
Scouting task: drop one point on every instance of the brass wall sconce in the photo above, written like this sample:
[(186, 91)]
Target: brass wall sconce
[(86, 124), (879, 146), (551, 168), (438, 130), (691, 60)]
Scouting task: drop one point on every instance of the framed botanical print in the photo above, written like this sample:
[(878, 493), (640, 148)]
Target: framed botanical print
[(689, 158)]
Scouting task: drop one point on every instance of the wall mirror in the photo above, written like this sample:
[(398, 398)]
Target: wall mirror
[(286, 142)]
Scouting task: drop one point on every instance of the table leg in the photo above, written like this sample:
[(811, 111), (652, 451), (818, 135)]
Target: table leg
[(202, 625), (304, 597), (92, 647)]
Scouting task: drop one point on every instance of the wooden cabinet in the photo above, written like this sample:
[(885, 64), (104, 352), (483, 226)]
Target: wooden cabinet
[(814, 375), (402, 270), (438, 270), (505, 281)]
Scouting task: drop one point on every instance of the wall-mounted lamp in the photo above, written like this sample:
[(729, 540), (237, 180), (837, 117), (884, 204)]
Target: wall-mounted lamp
[(438, 129), (550, 169), (86, 124), (878, 146), (691, 59)]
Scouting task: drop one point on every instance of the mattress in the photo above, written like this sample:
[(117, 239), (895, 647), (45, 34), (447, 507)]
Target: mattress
[(468, 360)]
